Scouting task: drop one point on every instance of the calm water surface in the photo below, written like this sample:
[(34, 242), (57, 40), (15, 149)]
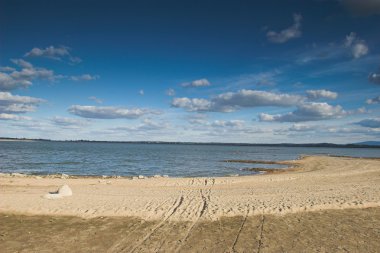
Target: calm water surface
[(128, 159)]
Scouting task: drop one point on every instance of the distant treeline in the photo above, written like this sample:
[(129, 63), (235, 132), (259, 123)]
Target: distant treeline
[(322, 145)]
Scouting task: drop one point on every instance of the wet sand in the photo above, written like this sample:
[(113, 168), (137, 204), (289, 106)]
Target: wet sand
[(324, 204)]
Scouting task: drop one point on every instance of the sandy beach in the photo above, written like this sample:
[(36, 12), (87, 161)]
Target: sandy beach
[(325, 204)]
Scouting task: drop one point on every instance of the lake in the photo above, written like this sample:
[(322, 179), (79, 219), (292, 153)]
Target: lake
[(132, 159)]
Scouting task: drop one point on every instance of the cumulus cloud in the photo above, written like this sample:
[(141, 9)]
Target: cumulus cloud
[(371, 123), (8, 83), (374, 78), (147, 125), (7, 116), (7, 69), (317, 94), (23, 78), (22, 63), (192, 104), (357, 46), (301, 128), (362, 7), (232, 101), (375, 100), (170, 92), (84, 77), (14, 104), (69, 122), (289, 33), (55, 53), (96, 100), (228, 123), (197, 83), (307, 112), (109, 112)]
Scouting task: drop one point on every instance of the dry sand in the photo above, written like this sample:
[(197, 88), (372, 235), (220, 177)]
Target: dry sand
[(328, 204), (319, 183)]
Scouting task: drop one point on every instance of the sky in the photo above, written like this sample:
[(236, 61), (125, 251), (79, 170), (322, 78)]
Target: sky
[(203, 71)]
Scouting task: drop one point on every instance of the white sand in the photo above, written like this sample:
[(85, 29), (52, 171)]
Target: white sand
[(320, 183)]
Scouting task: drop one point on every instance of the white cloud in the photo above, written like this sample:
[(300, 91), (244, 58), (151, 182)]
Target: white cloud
[(84, 77), (24, 77), (9, 83), (232, 101), (22, 63), (7, 69), (317, 94), (291, 32), (359, 49), (69, 122), (7, 116), (192, 104), (307, 112), (109, 112), (197, 83), (96, 100), (10, 104), (357, 46), (375, 100), (55, 53), (228, 123), (374, 78), (147, 125), (371, 123), (170, 92), (141, 92), (301, 128)]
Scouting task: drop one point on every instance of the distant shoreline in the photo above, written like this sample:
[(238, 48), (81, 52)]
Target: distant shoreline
[(316, 145)]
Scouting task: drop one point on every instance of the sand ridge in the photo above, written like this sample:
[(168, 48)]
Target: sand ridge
[(319, 183)]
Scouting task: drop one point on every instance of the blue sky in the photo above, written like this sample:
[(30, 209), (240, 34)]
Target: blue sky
[(221, 71)]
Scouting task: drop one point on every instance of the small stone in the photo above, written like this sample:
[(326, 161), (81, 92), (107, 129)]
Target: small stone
[(104, 176), (166, 176), (141, 177), (157, 176)]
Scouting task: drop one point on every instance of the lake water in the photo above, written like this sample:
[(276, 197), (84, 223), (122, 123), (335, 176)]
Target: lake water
[(131, 159)]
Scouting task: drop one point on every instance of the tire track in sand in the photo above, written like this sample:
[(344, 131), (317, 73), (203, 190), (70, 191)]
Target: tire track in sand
[(203, 205), (178, 202)]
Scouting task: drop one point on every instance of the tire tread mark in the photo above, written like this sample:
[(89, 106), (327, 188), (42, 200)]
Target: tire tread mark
[(175, 207)]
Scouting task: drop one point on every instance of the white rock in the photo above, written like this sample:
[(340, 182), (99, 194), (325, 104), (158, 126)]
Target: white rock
[(63, 191), (165, 176), (157, 176), (141, 177)]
